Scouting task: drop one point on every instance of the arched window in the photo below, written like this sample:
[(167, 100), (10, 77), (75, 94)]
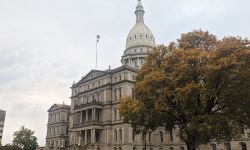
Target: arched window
[(161, 136), (243, 146)]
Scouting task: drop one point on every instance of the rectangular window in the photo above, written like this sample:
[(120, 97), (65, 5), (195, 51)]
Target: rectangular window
[(115, 95), (213, 146), (227, 146), (120, 93), (171, 135)]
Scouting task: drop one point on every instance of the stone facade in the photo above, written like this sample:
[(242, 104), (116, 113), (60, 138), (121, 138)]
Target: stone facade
[(57, 127), (2, 119), (94, 119)]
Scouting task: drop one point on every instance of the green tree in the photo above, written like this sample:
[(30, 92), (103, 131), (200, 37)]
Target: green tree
[(200, 85), (9, 147), (24, 138)]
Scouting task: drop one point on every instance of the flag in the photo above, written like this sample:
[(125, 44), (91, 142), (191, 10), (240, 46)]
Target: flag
[(97, 38)]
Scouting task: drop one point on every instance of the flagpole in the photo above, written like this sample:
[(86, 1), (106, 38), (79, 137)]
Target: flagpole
[(96, 55), (97, 41)]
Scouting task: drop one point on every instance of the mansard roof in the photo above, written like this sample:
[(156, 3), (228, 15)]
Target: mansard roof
[(58, 106)]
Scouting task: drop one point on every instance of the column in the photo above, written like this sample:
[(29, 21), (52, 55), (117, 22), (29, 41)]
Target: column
[(81, 117), (87, 116), (93, 136), (93, 114), (138, 62), (85, 140)]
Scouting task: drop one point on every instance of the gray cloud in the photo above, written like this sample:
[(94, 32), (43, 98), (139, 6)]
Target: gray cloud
[(45, 45)]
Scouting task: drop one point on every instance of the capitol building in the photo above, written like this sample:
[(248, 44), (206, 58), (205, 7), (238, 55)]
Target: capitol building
[(93, 122)]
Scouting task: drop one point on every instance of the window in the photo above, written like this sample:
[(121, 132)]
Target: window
[(171, 148), (115, 115), (243, 146), (182, 148), (134, 148), (115, 135), (143, 137), (161, 136), (115, 94), (149, 136), (242, 131), (213, 146), (120, 132), (227, 146), (135, 63), (142, 62), (171, 135), (98, 97), (133, 136), (120, 77), (120, 93)]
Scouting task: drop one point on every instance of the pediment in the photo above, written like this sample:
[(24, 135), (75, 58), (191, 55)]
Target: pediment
[(54, 107), (92, 74)]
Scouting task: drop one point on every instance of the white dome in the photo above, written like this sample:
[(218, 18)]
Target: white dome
[(139, 41), (140, 35)]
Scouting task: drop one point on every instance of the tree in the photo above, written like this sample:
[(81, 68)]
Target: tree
[(9, 147), (24, 138), (200, 85)]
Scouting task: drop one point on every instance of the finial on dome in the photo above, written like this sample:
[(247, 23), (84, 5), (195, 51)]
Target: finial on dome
[(139, 12)]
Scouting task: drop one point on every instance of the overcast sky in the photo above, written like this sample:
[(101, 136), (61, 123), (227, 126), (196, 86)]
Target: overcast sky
[(45, 45)]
